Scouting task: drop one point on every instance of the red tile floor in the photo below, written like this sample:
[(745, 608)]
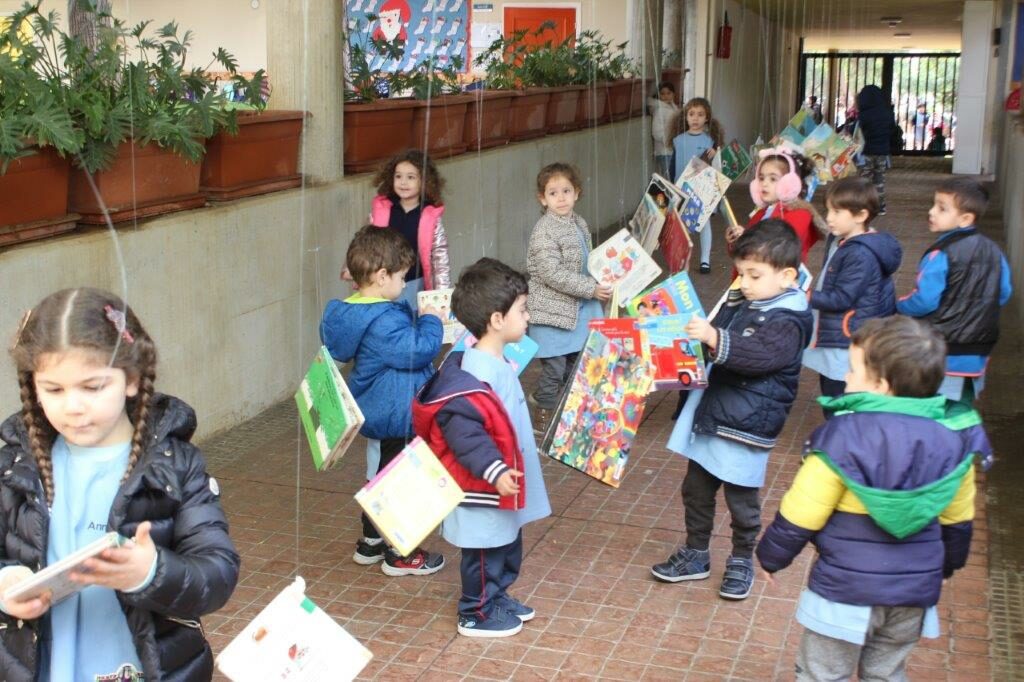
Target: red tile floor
[(600, 614)]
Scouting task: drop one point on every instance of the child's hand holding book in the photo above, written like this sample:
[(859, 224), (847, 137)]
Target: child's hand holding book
[(123, 568), (28, 609)]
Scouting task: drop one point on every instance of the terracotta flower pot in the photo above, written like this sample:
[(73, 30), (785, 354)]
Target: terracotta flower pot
[(34, 198), (487, 118), (675, 77), (529, 114), (563, 108), (620, 96), (376, 131), (446, 118), (142, 182), (263, 157), (641, 91), (593, 109)]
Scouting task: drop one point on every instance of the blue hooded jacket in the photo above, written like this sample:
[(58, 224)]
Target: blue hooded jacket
[(856, 287), (393, 355)]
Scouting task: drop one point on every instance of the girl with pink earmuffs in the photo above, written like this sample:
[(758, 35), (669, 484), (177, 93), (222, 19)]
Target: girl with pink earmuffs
[(776, 190)]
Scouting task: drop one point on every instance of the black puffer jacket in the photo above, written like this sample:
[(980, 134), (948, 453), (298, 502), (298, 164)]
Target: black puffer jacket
[(197, 565), (876, 120)]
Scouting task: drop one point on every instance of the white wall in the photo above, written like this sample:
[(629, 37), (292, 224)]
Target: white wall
[(974, 117)]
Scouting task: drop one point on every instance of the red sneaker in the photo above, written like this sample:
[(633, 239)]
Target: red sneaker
[(417, 563)]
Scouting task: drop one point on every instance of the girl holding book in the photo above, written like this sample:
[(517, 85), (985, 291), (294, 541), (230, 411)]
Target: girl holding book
[(698, 134), (563, 296), (95, 449)]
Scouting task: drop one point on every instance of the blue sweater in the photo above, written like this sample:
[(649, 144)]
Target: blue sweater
[(393, 356)]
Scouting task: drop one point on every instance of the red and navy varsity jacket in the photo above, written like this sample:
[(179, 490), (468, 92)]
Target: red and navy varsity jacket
[(465, 424)]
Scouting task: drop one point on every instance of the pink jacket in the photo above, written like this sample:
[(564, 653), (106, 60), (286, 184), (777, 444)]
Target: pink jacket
[(431, 241)]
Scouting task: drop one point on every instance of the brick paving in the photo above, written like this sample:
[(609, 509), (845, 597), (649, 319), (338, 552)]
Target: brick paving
[(586, 571)]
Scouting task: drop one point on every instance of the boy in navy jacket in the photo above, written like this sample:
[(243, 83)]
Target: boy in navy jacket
[(473, 415), (962, 281), (393, 354), (886, 494)]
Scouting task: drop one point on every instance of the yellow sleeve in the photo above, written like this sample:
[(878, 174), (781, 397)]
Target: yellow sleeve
[(961, 508), (814, 495)]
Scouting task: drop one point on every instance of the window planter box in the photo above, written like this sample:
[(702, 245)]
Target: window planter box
[(563, 108), (447, 123), (263, 157), (593, 109), (529, 114), (620, 97), (34, 198), (376, 131), (142, 182), (487, 118), (638, 106)]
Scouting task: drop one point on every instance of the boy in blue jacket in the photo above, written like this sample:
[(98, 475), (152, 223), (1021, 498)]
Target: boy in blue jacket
[(393, 353), (855, 284), (886, 494), (962, 282), (473, 415)]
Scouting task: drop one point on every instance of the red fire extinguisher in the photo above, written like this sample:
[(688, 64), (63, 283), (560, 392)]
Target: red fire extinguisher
[(724, 48)]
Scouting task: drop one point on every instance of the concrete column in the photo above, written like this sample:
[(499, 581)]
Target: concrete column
[(972, 127), (645, 34), (672, 26), (691, 53), (304, 65)]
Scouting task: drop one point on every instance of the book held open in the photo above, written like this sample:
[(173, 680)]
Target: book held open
[(56, 578), (329, 414)]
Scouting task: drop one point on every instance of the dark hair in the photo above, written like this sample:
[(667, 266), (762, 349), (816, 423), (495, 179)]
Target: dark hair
[(431, 182), (770, 241), (486, 287), (907, 353), (969, 196), (553, 170), (804, 166), (854, 195), (715, 129), (666, 84), (374, 248), (81, 319)]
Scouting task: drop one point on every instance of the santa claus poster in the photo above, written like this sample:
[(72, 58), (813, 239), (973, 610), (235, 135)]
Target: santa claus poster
[(429, 28)]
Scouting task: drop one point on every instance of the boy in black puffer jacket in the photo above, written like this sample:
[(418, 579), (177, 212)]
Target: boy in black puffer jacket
[(877, 123)]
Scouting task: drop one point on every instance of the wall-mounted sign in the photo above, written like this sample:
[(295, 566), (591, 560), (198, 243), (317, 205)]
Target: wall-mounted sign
[(434, 29), (483, 6)]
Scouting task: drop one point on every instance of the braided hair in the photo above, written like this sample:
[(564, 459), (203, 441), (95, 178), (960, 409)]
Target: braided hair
[(94, 321)]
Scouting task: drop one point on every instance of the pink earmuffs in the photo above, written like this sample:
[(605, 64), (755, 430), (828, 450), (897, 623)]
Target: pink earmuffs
[(790, 185)]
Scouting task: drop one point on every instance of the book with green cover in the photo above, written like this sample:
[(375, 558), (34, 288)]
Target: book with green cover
[(330, 416)]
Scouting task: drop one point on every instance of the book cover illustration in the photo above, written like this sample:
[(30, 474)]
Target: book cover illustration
[(621, 329), (56, 578), (410, 497), (293, 639), (823, 146), (647, 219), (517, 354), (735, 160), (675, 243), (701, 181), (442, 300), (673, 296), (328, 412), (803, 122), (676, 361), (789, 138), (622, 263), (601, 410)]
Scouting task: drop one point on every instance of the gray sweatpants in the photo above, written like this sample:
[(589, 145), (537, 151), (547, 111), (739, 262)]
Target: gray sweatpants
[(892, 633)]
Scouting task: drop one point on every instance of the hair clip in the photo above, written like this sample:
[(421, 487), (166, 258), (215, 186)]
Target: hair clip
[(117, 317), (21, 328)]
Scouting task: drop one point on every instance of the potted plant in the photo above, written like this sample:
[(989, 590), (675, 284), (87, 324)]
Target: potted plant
[(592, 58), (503, 61), (439, 125), (377, 124), (617, 71), (36, 134), (143, 117), (263, 156)]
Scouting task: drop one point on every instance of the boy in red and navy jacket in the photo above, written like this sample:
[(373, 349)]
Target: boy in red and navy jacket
[(473, 415)]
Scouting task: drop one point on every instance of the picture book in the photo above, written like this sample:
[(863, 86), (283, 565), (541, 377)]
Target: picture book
[(675, 243), (700, 181), (673, 296), (621, 329), (293, 639), (56, 578), (597, 421), (622, 263), (821, 146), (735, 160), (789, 138), (442, 300), (517, 354), (410, 497), (328, 412), (647, 220), (803, 122), (676, 362)]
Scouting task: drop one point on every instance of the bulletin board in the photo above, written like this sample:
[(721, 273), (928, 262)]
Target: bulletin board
[(438, 28)]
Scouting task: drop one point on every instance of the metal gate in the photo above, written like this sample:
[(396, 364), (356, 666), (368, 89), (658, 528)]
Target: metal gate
[(922, 88)]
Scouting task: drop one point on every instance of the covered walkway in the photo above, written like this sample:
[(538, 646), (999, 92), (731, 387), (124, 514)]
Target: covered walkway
[(600, 614)]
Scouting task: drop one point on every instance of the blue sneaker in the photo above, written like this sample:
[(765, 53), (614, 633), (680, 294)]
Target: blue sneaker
[(515, 607), (501, 623), (684, 564), (738, 579)]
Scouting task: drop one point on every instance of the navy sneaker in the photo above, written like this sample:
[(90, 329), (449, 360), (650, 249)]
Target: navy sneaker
[(515, 607), (738, 579), (420, 562), (705, 268), (501, 623), (368, 553), (684, 564)]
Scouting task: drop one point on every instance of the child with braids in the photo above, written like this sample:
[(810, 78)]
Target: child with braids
[(96, 449)]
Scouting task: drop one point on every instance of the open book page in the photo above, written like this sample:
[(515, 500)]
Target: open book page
[(56, 578), (442, 300), (622, 263)]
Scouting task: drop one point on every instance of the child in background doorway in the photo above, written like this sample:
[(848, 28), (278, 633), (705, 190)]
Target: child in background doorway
[(563, 296), (663, 120), (698, 133)]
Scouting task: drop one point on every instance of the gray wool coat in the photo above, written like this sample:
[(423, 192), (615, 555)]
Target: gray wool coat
[(555, 263)]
